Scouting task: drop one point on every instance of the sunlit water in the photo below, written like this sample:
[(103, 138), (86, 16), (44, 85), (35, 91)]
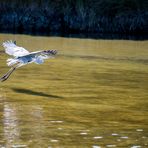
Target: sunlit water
[(93, 94)]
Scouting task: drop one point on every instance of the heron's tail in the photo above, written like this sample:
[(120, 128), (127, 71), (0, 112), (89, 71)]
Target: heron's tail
[(11, 62)]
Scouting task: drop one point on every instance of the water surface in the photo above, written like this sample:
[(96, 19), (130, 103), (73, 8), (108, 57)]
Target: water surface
[(93, 94)]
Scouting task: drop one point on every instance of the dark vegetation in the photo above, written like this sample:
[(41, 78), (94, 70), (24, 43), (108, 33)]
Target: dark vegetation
[(73, 16)]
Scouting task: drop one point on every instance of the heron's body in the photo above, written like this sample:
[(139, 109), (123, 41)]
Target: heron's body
[(21, 56), (26, 59)]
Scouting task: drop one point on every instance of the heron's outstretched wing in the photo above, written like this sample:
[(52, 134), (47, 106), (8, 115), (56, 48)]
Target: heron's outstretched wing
[(40, 56), (14, 50), (42, 52)]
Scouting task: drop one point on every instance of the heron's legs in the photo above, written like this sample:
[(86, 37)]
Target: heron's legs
[(12, 69), (6, 76)]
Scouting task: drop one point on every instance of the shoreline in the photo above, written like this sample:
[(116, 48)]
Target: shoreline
[(104, 36)]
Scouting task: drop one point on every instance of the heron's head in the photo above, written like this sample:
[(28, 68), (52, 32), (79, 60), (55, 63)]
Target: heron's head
[(50, 52)]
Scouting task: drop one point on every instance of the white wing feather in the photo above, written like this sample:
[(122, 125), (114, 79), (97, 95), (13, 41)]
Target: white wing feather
[(33, 53), (41, 53), (12, 49)]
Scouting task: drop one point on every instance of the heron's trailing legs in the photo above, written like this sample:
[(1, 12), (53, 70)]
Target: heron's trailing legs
[(7, 75)]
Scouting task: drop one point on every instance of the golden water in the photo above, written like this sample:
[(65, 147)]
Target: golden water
[(93, 94)]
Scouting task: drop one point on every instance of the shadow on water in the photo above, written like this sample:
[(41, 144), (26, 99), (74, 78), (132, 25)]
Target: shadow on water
[(35, 93)]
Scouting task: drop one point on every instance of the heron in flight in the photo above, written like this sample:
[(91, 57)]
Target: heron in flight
[(21, 57)]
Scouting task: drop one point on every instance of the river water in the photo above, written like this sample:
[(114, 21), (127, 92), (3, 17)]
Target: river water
[(92, 94)]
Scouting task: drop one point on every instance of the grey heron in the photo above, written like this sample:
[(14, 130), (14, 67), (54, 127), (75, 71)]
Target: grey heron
[(21, 57)]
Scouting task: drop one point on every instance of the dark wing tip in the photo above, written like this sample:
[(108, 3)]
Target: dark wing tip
[(52, 52), (14, 42)]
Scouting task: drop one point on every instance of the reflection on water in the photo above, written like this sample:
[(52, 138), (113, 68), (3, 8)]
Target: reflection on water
[(15, 131), (10, 122), (23, 132), (97, 94)]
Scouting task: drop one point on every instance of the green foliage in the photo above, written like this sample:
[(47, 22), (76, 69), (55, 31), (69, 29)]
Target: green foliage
[(124, 16)]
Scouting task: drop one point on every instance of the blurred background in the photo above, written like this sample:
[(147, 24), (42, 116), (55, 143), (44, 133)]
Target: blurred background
[(63, 17)]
